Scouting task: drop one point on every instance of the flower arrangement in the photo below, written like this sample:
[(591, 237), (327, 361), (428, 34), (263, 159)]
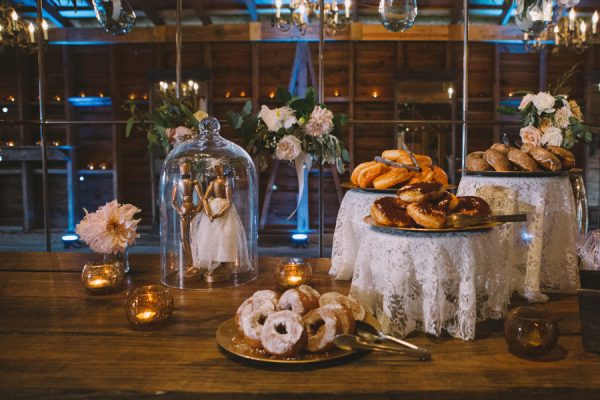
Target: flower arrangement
[(550, 119), (171, 120), (298, 131), (110, 229)]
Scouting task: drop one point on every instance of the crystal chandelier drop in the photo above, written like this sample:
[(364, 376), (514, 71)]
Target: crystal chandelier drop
[(303, 12), (15, 32), (575, 33)]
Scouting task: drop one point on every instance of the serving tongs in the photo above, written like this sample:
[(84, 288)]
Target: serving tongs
[(415, 167), (353, 342), (464, 221)]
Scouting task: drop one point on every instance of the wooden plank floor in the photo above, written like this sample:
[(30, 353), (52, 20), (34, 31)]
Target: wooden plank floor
[(58, 341)]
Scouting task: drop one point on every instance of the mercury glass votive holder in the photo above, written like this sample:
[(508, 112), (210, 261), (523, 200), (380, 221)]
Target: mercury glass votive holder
[(102, 278), (292, 272), (149, 305), (530, 331)]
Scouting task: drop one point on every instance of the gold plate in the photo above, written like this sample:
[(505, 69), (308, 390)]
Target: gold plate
[(230, 340), (350, 185), (476, 228), (515, 174)]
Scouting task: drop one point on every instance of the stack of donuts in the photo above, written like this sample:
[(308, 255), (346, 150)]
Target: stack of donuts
[(300, 319), (378, 175), (425, 205), (503, 158)]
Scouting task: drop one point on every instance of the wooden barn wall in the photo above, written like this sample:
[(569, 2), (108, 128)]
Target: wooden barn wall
[(353, 72)]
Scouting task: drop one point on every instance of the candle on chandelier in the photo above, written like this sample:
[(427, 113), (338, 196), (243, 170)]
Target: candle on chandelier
[(31, 30), (302, 11), (1, 29), (572, 19), (347, 4), (556, 36), (14, 17), (334, 8), (278, 8), (582, 28), (45, 29), (594, 22)]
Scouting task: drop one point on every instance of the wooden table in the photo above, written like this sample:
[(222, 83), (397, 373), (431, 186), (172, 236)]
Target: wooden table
[(58, 341)]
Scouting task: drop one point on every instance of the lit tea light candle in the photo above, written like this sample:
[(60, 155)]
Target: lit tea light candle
[(145, 96), (102, 278), (375, 94), (57, 98), (91, 166), (292, 272), (243, 93), (227, 94), (100, 94), (149, 305), (336, 93), (132, 96), (102, 166), (81, 94), (272, 95)]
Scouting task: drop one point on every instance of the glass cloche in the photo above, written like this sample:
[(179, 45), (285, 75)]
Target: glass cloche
[(208, 212)]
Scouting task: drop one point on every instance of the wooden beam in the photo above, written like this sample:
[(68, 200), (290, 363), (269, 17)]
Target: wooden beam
[(507, 9), (251, 5), (51, 12), (151, 12), (262, 31), (198, 7), (23, 98)]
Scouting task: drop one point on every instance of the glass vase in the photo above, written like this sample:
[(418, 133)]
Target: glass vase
[(397, 15), (533, 16), (208, 213), (581, 204)]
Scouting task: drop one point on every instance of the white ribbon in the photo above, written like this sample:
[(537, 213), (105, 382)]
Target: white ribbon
[(301, 162), (116, 12)]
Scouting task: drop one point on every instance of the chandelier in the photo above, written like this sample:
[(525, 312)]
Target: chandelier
[(534, 43), (303, 12), (573, 33), (15, 32)]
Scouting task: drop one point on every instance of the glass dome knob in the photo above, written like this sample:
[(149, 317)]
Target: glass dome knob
[(210, 126)]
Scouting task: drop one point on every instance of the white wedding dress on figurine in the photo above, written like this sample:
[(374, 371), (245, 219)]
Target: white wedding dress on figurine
[(222, 240)]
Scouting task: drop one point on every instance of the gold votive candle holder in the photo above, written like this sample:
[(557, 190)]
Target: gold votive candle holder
[(149, 305), (292, 272), (102, 278), (530, 331)]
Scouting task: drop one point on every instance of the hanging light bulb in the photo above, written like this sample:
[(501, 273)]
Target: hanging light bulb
[(397, 15)]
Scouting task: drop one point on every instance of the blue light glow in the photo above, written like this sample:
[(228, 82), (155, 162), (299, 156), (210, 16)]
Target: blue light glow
[(70, 237), (90, 101), (299, 236)]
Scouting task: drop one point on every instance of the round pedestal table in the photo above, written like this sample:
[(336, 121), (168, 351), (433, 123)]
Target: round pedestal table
[(540, 253), (349, 229), (430, 282)]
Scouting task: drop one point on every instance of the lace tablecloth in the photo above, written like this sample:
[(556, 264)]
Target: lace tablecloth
[(540, 253), (429, 282), (349, 228)]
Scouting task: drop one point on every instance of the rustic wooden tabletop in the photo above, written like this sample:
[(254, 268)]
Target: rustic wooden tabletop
[(58, 341)]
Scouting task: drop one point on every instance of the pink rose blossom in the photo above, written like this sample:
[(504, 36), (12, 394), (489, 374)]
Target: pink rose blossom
[(531, 134)]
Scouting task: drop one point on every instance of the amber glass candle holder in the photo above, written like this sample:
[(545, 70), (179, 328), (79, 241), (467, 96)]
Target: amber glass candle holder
[(102, 278), (149, 305), (292, 272), (530, 331)]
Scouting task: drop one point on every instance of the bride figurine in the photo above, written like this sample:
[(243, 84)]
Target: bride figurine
[(218, 235)]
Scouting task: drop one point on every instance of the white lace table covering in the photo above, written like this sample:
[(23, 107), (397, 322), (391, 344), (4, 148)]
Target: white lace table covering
[(540, 253), (349, 229), (430, 282)]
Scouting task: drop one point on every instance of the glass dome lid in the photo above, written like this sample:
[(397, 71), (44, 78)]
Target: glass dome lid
[(208, 212)]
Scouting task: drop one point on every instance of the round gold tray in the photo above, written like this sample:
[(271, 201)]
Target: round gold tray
[(475, 228), (350, 185), (230, 340), (515, 174)]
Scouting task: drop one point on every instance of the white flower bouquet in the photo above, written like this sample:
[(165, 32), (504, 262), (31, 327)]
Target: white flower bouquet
[(298, 131), (549, 119)]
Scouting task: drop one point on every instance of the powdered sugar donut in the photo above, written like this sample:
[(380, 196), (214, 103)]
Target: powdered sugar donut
[(312, 295), (249, 305), (266, 295), (283, 334), (344, 315), (252, 325), (322, 326), (333, 297), (296, 301)]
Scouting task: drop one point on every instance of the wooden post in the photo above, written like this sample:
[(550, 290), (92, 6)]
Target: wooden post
[(255, 75), (351, 107), (208, 64), (116, 134), (543, 74), (496, 92), (72, 138), (23, 104)]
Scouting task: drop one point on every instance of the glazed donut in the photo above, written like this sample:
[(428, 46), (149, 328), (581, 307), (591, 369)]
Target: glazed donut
[(545, 158), (368, 174), (251, 326), (283, 334), (358, 312), (473, 205), (420, 191), (391, 178), (426, 175), (402, 157), (439, 175), (390, 211), (526, 147), (322, 326), (296, 301), (311, 294), (501, 148), (427, 215), (344, 316), (567, 159), (476, 162), (358, 170), (448, 202), (497, 160), (522, 160)]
